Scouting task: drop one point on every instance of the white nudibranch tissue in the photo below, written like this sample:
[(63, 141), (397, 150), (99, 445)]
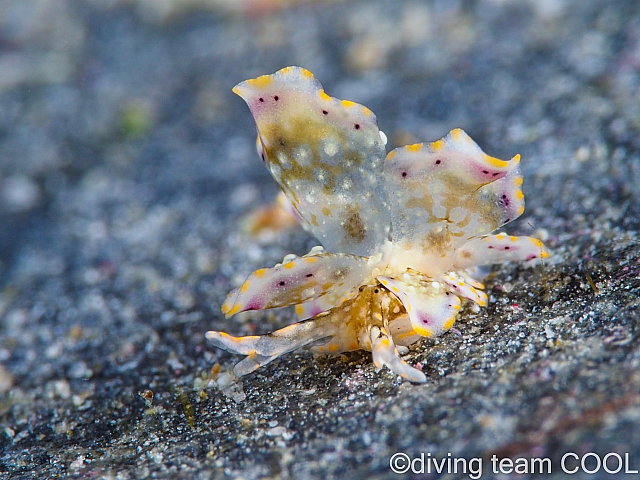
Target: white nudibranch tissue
[(400, 232)]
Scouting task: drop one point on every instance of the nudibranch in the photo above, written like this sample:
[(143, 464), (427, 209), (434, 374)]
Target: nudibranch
[(399, 232)]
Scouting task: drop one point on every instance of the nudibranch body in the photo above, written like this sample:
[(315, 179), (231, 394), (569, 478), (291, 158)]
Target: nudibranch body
[(399, 232)]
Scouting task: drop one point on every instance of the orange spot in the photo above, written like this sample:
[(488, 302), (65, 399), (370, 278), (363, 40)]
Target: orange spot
[(261, 273), (310, 260), (414, 148), (495, 162), (299, 310), (289, 265), (449, 323), (348, 104), (437, 145), (324, 96), (424, 331), (455, 133), (260, 82), (306, 73), (245, 286)]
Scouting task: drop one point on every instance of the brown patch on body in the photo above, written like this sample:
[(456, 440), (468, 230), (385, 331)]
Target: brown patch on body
[(436, 241), (353, 226)]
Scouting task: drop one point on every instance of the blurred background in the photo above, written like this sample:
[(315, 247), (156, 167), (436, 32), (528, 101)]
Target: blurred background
[(129, 102), (126, 163)]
